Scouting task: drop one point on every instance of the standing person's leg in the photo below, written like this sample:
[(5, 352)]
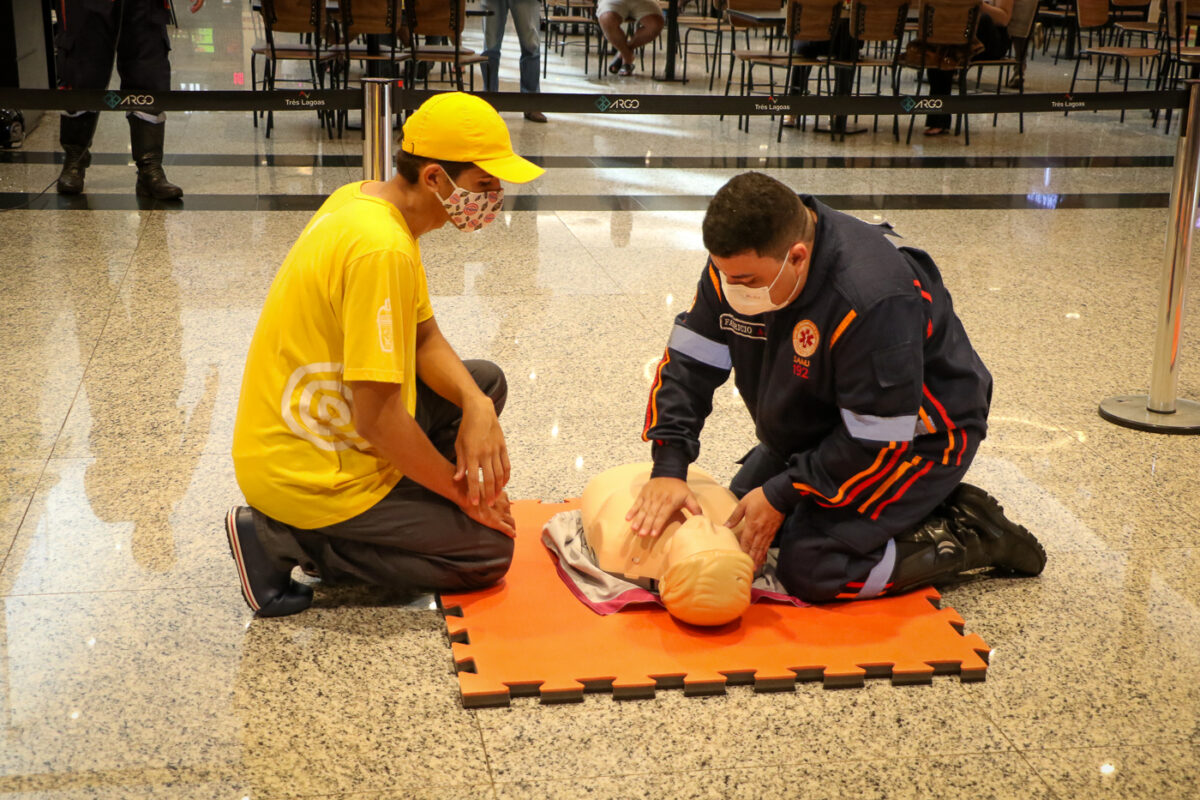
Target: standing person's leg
[(143, 63), (85, 46), (526, 17), (940, 83), (493, 39)]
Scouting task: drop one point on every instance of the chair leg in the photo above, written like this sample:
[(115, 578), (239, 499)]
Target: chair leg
[(964, 117), (253, 85), (271, 114), (1074, 74)]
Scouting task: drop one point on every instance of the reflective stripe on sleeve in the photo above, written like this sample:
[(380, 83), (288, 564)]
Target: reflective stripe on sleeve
[(693, 345), (880, 429)]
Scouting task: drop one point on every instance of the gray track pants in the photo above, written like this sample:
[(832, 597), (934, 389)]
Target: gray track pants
[(413, 538)]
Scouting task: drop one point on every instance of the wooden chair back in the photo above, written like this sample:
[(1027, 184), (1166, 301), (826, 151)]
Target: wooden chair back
[(878, 20), (360, 17), (436, 18), (1091, 13), (812, 20), (293, 16), (948, 22)]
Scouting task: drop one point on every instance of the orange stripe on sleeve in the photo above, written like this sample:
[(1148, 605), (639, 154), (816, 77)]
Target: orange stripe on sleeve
[(905, 467), (907, 484), (963, 450), (837, 498), (950, 427), (652, 406), (845, 323), (716, 280), (925, 419)]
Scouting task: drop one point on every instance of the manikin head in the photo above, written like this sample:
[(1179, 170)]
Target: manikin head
[(704, 577), (708, 577)]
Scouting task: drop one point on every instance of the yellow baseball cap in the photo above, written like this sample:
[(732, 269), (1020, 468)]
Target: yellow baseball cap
[(460, 127)]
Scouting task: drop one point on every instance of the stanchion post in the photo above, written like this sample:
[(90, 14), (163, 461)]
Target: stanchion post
[(1161, 411), (377, 129)]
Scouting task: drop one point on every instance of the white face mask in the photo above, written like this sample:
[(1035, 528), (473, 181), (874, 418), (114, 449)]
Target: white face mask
[(470, 211), (750, 301)]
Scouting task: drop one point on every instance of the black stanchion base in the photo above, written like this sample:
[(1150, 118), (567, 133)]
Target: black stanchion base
[(1130, 411)]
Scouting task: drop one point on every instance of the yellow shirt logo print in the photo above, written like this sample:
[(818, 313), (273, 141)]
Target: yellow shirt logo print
[(383, 318), (316, 407)]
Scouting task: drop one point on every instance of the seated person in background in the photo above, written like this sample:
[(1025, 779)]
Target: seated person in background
[(703, 576), (867, 397), (611, 14), (992, 32)]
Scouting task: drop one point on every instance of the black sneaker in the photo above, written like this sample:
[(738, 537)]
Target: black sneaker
[(268, 591), (1011, 547)]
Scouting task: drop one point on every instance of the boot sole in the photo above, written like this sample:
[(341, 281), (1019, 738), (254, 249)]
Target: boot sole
[(981, 506), (143, 192), (235, 549)]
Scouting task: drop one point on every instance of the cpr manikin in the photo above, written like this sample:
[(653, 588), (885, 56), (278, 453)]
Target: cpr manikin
[(703, 576)]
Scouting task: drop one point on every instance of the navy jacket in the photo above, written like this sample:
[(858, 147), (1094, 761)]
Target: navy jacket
[(861, 385)]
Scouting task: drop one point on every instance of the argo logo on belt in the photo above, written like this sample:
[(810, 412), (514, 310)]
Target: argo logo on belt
[(617, 103), (115, 99), (921, 104)]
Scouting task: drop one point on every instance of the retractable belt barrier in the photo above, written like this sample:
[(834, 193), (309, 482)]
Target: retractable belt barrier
[(676, 105), (1160, 411)]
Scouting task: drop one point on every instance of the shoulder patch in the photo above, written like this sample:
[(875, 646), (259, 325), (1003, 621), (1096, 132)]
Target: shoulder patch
[(805, 338)]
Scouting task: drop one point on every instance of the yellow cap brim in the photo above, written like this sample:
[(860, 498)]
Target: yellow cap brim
[(511, 168)]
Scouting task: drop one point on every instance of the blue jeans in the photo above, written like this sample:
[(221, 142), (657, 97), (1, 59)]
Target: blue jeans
[(526, 14)]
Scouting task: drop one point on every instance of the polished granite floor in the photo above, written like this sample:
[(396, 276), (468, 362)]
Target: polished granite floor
[(130, 667)]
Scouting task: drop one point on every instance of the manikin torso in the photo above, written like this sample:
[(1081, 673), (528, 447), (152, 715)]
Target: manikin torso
[(710, 574)]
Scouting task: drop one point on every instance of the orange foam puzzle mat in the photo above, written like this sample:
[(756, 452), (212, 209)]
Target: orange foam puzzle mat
[(529, 636)]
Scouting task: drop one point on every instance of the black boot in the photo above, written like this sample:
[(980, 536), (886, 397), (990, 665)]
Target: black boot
[(967, 531), (146, 141), (266, 581), (75, 136)]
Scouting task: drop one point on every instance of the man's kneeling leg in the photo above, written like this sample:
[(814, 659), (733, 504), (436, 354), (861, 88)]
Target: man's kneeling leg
[(968, 531)]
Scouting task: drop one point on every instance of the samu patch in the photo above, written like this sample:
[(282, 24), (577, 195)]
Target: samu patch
[(805, 338)]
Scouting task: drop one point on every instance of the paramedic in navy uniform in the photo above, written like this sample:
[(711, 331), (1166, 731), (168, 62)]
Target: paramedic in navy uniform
[(867, 399)]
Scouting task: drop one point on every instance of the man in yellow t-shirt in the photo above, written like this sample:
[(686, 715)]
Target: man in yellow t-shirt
[(365, 448)]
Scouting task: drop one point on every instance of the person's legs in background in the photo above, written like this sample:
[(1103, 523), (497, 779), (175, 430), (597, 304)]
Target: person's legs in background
[(526, 19), (493, 38), (611, 14), (84, 54), (144, 65), (940, 83)]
